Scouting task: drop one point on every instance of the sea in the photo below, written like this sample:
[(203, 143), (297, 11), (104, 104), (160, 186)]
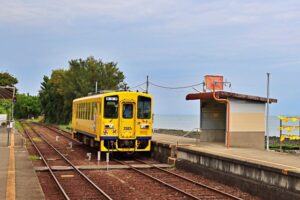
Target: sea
[(190, 122)]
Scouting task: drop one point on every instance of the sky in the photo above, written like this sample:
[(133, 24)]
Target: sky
[(175, 42)]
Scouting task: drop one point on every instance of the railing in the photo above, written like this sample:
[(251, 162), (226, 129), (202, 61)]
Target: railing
[(192, 131), (198, 131)]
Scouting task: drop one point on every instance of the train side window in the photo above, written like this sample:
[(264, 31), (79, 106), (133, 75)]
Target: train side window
[(75, 107), (89, 111), (79, 111), (76, 111), (92, 111), (84, 113)]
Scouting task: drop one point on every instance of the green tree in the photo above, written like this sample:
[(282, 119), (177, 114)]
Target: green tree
[(51, 98), (7, 79), (27, 106), (82, 75), (5, 107), (58, 92)]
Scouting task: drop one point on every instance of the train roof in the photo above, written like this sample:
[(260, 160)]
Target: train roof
[(110, 94)]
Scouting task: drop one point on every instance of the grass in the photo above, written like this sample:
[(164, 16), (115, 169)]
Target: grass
[(36, 139), (65, 127), (285, 146), (34, 157), (38, 119), (19, 127)]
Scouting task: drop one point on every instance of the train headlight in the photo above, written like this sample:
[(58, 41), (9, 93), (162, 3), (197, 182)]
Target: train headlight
[(144, 126), (109, 126)]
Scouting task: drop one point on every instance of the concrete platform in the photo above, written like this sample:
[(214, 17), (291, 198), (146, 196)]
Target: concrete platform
[(275, 175), (17, 176), (282, 161)]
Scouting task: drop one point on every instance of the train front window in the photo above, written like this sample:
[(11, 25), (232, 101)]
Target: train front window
[(127, 111), (144, 107), (111, 105)]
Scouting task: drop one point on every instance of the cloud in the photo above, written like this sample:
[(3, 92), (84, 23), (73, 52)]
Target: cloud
[(36, 12), (174, 12)]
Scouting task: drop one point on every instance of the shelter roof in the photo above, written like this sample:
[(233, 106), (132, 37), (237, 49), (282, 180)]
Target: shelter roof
[(223, 94), (6, 93)]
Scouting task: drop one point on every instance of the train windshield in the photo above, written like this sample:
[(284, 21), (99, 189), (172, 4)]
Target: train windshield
[(111, 105), (144, 107), (127, 111)]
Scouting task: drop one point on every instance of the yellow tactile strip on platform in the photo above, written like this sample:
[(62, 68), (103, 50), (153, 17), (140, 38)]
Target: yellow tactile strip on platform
[(11, 176)]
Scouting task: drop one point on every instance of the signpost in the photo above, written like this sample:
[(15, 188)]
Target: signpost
[(98, 157), (107, 160), (288, 128)]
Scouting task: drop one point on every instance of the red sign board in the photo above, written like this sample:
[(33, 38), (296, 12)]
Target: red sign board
[(214, 82)]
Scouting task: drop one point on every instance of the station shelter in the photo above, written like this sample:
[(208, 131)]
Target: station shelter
[(247, 118)]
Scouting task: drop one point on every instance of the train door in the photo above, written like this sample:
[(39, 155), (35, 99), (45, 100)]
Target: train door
[(127, 121)]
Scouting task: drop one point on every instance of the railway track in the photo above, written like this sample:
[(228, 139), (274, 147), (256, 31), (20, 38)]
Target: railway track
[(225, 194), (183, 185), (63, 133), (177, 185), (64, 186)]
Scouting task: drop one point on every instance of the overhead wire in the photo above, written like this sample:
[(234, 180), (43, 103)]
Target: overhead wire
[(174, 88), (137, 86)]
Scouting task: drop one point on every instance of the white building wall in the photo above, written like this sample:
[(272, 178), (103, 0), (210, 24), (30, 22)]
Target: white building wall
[(247, 116)]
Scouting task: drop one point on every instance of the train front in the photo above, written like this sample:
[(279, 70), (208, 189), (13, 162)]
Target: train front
[(127, 122)]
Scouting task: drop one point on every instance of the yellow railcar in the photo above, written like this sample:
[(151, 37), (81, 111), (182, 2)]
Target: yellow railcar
[(114, 121)]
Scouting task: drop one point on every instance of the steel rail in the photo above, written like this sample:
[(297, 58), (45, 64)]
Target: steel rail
[(74, 167), (158, 180), (191, 181), (59, 131), (44, 160)]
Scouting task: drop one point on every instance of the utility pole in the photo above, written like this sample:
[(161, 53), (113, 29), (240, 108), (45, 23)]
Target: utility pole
[(96, 87), (12, 104), (267, 118), (147, 84)]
